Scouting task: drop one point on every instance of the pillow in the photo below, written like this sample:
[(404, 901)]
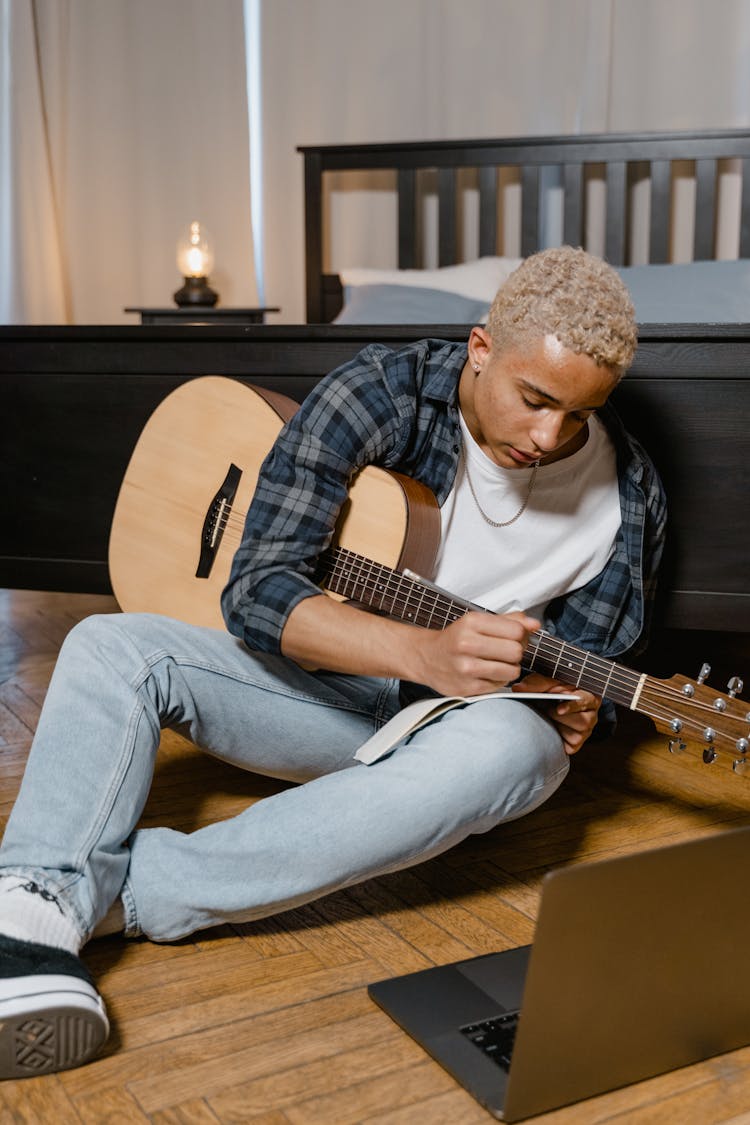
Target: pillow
[(690, 292), (479, 279), (409, 304)]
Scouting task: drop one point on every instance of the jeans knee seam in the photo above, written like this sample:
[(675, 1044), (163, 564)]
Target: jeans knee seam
[(105, 807)]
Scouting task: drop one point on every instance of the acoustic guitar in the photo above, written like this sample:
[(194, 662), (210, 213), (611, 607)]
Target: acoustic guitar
[(180, 515)]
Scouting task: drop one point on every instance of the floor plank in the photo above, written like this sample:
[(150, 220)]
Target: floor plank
[(270, 1022)]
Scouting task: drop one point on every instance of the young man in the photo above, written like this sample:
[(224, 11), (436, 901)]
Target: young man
[(549, 511)]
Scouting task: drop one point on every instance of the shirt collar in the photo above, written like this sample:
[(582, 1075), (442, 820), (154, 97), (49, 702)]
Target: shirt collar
[(443, 370)]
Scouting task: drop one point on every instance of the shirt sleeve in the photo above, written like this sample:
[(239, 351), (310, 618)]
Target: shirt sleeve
[(654, 532), (348, 420), (654, 537)]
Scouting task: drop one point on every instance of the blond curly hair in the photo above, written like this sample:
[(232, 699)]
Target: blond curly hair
[(573, 295)]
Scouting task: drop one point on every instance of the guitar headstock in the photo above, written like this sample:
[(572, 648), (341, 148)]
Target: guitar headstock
[(692, 712)]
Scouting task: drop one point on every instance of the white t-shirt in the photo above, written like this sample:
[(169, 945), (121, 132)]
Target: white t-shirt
[(563, 539)]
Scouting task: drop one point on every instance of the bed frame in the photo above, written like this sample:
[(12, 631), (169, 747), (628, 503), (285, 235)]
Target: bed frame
[(76, 398), (621, 160)]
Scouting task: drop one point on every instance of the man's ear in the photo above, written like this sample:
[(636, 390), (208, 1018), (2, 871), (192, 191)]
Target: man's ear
[(480, 346)]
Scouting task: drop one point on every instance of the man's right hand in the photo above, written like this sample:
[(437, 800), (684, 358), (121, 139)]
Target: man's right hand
[(479, 653)]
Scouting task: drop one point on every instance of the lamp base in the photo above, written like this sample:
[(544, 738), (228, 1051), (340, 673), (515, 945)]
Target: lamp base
[(196, 291)]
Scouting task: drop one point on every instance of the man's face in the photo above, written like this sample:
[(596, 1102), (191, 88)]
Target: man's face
[(530, 404)]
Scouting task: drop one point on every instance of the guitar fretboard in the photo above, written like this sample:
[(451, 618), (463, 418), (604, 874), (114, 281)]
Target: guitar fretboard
[(398, 595)]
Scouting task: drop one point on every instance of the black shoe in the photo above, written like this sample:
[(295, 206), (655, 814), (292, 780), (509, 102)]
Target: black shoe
[(51, 1016)]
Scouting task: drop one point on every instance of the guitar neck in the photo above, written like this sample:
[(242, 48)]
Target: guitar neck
[(398, 595)]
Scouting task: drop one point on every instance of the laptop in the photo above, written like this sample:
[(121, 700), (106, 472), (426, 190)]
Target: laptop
[(638, 967)]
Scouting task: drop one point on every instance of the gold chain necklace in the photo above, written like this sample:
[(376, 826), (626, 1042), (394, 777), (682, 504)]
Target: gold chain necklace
[(521, 510)]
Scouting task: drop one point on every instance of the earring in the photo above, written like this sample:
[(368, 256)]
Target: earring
[(476, 368)]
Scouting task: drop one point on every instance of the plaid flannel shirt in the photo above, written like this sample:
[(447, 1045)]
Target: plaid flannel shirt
[(399, 409)]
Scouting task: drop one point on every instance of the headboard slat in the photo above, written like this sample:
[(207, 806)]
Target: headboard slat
[(616, 225), (487, 210), (408, 227), (745, 210), (573, 204), (705, 209), (447, 240), (661, 205), (314, 236), (529, 209)]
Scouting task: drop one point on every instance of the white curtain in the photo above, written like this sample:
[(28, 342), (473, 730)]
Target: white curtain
[(350, 71), (126, 120), (32, 275), (123, 120)]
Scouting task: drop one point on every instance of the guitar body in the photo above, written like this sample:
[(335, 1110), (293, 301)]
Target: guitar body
[(170, 521)]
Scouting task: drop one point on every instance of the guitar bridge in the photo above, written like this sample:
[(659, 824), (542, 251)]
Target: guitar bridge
[(216, 519)]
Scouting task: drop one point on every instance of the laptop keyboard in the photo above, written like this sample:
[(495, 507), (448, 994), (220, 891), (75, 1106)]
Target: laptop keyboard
[(495, 1037)]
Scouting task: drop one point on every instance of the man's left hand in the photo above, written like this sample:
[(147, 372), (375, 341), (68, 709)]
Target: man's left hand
[(576, 718)]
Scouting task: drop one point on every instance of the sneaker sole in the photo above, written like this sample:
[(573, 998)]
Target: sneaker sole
[(45, 1031)]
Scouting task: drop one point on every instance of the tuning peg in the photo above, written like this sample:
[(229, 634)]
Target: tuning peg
[(704, 672), (709, 755), (676, 745), (742, 745), (735, 686)]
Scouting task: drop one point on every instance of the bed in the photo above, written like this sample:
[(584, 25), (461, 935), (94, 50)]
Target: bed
[(639, 200), (76, 398)]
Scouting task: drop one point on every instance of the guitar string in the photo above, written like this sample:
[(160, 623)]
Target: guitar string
[(590, 678), (430, 600), (542, 649), (546, 648), (449, 613)]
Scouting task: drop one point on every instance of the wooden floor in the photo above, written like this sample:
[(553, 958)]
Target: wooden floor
[(271, 1022)]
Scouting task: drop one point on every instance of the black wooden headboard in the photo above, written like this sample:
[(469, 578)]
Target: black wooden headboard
[(619, 158)]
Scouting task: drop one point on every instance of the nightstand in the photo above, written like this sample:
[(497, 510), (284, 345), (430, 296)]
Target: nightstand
[(201, 314)]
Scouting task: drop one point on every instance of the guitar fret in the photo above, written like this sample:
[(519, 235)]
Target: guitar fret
[(343, 581), (384, 586), (535, 639), (457, 610), (427, 603), (353, 578), (557, 662), (418, 610), (432, 613), (434, 618), (361, 572), (397, 594), (568, 665), (411, 614), (349, 584)]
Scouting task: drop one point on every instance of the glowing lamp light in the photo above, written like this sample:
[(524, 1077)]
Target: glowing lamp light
[(195, 261)]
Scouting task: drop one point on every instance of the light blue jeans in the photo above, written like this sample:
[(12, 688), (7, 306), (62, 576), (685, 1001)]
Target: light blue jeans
[(120, 678)]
